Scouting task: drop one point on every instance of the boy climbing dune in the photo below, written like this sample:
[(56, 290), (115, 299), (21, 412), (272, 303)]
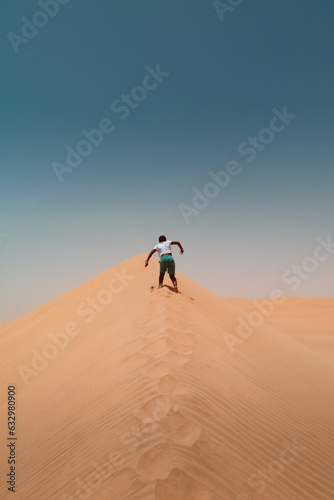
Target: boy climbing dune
[(167, 263)]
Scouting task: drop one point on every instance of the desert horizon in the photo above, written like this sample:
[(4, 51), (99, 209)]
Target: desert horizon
[(131, 392)]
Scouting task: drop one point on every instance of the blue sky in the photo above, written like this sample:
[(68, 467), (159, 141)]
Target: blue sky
[(222, 80)]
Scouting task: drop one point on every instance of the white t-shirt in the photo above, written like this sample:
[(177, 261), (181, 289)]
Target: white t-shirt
[(164, 247)]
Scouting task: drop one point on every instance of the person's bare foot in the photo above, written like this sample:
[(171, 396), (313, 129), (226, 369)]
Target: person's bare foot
[(176, 289)]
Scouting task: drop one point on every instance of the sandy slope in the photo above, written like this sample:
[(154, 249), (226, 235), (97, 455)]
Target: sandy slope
[(129, 393), (309, 321)]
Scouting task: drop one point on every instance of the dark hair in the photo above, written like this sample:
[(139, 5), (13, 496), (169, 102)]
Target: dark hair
[(162, 238)]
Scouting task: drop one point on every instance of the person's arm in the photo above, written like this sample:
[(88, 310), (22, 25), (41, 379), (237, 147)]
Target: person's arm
[(179, 245), (149, 256)]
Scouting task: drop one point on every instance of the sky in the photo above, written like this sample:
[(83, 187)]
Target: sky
[(208, 122)]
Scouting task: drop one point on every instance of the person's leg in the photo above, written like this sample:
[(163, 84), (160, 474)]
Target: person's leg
[(171, 272), (172, 277), (163, 267), (161, 279)]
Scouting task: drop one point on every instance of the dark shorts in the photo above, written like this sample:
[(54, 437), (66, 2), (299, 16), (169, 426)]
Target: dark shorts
[(167, 263)]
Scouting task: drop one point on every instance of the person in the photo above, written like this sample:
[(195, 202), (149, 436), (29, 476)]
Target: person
[(164, 249)]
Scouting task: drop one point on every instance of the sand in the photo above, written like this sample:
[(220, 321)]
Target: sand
[(131, 393)]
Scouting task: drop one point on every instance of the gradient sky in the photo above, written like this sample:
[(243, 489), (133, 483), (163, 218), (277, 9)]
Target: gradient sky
[(225, 78)]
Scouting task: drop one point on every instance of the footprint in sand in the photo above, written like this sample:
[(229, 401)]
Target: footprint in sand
[(161, 345), (180, 429), (158, 370), (170, 385), (186, 486), (155, 464), (154, 333), (179, 338), (155, 409), (158, 347), (177, 358), (180, 348)]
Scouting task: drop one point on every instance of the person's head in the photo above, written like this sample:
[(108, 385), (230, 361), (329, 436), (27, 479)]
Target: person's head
[(162, 238)]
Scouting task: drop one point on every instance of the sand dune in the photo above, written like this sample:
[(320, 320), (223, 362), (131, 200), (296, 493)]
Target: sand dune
[(307, 320), (129, 393)]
